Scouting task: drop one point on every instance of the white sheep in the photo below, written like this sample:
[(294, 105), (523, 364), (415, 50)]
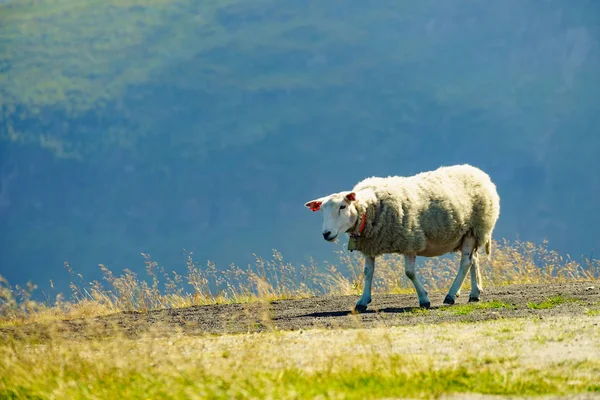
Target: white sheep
[(429, 214)]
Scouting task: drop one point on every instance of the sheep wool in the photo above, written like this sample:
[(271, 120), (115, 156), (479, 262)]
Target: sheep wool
[(439, 206)]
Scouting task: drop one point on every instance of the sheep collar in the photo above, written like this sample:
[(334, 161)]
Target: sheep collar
[(362, 224)]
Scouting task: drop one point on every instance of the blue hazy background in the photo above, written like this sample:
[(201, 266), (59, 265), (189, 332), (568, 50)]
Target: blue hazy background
[(132, 126)]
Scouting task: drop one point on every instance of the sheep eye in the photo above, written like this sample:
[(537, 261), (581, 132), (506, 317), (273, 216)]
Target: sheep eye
[(342, 207)]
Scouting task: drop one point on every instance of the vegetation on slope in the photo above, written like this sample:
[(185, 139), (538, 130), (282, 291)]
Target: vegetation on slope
[(143, 69)]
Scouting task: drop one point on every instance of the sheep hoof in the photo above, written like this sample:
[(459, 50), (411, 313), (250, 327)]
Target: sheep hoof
[(425, 305), (473, 299), (360, 308), (448, 300)]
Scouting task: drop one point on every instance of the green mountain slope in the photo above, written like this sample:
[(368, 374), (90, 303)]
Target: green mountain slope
[(273, 64)]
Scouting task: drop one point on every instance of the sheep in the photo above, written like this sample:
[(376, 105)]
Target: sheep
[(450, 209)]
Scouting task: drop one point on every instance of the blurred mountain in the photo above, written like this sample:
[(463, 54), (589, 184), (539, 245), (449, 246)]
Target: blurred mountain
[(152, 126)]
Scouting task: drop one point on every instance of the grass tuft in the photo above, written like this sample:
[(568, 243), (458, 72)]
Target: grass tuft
[(549, 303), (464, 309)]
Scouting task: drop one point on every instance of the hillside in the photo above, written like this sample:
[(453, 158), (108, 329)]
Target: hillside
[(154, 126)]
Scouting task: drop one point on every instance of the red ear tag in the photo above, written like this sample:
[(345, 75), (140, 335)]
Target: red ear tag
[(314, 206)]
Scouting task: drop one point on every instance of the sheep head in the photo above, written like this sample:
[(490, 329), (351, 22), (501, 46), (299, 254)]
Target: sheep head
[(339, 213)]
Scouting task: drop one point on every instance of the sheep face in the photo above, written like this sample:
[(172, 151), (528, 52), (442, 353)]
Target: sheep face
[(339, 213)]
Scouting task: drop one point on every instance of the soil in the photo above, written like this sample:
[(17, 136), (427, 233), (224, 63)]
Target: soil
[(578, 298)]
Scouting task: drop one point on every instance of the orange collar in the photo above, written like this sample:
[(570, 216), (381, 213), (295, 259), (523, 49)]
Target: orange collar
[(362, 224)]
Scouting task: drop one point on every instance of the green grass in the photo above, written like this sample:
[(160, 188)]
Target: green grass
[(434, 383), (294, 383), (464, 309), (549, 303), (418, 311)]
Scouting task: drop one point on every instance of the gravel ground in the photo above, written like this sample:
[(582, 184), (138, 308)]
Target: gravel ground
[(514, 301)]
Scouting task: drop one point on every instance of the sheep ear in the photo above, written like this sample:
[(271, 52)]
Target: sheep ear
[(350, 197), (314, 205)]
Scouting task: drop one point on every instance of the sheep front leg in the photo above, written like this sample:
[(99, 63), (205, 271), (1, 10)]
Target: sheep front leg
[(466, 259), (365, 299), (410, 264)]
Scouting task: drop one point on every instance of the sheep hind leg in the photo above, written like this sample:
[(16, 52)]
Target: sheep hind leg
[(365, 299), (466, 259), (410, 263), (476, 287)]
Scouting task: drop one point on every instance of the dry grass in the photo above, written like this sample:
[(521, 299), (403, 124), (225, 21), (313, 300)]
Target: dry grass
[(512, 262), (556, 355)]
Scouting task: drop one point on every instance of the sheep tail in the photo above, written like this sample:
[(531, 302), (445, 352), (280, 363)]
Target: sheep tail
[(488, 248)]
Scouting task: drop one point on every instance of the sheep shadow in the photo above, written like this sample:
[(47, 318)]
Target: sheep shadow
[(387, 310)]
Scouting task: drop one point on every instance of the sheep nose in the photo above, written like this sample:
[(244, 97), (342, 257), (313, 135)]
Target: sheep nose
[(326, 235)]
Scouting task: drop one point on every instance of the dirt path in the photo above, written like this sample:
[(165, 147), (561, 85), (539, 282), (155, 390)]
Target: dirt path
[(513, 301)]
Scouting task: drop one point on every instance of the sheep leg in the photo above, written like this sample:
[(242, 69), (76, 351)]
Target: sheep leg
[(466, 259), (475, 279), (410, 263), (365, 299)]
